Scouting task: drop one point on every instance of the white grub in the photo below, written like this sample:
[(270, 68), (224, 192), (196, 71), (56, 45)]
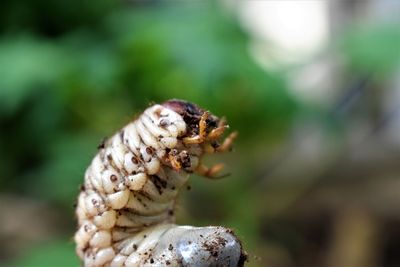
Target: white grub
[(127, 203)]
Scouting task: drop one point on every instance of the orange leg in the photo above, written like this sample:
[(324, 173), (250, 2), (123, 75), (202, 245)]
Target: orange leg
[(208, 148), (174, 162), (227, 144), (217, 132), (202, 131), (211, 172)]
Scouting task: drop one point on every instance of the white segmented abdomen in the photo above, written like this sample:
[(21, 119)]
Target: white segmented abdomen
[(126, 206), (129, 186)]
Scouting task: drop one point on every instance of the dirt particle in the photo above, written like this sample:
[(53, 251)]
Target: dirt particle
[(94, 202), (102, 143), (82, 187), (164, 123)]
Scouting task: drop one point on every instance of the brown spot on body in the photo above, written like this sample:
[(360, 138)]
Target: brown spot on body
[(164, 123), (135, 160), (140, 200), (150, 150), (95, 202), (102, 143), (158, 183), (112, 164)]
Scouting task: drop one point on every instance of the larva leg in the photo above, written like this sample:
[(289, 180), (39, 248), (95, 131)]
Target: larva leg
[(210, 172), (173, 160), (217, 132), (227, 144), (209, 148), (202, 131)]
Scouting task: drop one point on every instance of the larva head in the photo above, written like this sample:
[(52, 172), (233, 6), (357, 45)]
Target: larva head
[(192, 115)]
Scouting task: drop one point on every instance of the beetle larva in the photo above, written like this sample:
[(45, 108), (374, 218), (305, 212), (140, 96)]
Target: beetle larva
[(126, 206)]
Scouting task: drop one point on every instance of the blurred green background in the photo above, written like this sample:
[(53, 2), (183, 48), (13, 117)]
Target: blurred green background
[(315, 173)]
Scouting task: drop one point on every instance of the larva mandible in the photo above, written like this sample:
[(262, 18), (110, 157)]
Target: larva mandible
[(126, 206)]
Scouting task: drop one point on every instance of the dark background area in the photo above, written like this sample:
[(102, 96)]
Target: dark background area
[(315, 170)]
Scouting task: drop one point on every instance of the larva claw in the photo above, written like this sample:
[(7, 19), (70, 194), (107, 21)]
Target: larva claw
[(202, 131), (227, 144), (211, 172)]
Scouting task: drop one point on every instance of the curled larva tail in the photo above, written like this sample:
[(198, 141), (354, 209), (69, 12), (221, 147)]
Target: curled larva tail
[(126, 206)]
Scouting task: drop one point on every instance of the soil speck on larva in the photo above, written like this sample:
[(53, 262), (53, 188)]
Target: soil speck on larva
[(164, 123)]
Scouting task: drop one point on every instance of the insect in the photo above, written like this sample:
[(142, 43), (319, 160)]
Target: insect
[(126, 206)]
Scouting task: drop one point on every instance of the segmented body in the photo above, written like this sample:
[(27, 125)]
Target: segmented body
[(132, 183)]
